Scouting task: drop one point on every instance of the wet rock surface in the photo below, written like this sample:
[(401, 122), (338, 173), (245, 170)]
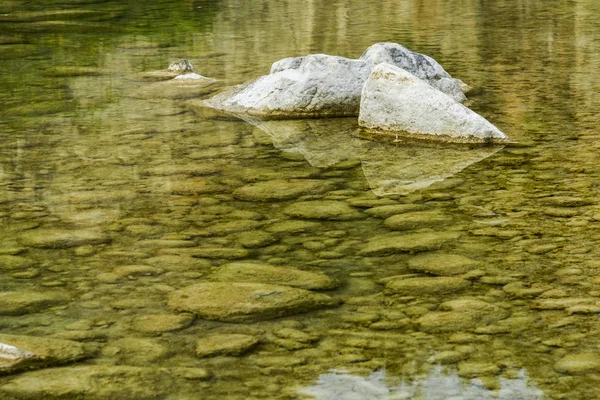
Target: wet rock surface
[(268, 274), (21, 353), (245, 302), (25, 302), (232, 344)]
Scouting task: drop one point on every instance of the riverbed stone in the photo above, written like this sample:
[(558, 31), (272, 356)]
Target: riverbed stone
[(327, 210), (25, 302), (395, 100), (95, 382), (155, 324), (427, 285), (137, 350), (263, 273), (282, 189), (394, 209), (228, 253), (245, 302), (225, 344), (60, 238), (292, 226), (255, 239), (461, 314), (408, 243), (442, 264), (10, 262), (18, 352), (316, 85), (579, 364), (420, 65), (226, 228), (416, 220), (174, 262)]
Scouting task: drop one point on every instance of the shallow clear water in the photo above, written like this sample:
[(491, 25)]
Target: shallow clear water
[(94, 149)]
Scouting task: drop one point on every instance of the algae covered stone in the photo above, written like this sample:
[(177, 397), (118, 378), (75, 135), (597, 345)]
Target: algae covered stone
[(579, 364), (262, 273), (59, 238), (160, 323), (25, 302), (245, 302), (226, 344), (282, 189), (443, 264), (327, 210), (93, 382), (427, 285), (409, 243), (18, 352)]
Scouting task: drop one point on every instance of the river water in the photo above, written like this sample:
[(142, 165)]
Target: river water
[(115, 194)]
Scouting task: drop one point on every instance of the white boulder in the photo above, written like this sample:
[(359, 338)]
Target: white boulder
[(316, 85), (420, 65), (395, 100)]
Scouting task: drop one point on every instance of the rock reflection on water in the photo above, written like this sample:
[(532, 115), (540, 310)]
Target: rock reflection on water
[(399, 167), (439, 385)]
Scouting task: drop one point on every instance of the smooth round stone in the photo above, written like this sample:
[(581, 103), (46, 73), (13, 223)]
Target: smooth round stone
[(416, 220), (160, 323), (226, 228), (442, 264), (8, 262), (137, 270), (263, 273), (471, 369), (395, 209), (567, 201), (327, 210), (185, 169), (460, 315), (227, 344), (255, 239), (25, 302), (191, 187), (228, 253), (19, 352), (292, 226), (136, 350), (57, 238), (172, 262), (578, 364), (245, 302), (135, 383), (427, 286), (282, 189), (409, 243)]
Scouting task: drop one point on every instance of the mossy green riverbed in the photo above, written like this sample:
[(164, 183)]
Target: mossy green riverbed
[(151, 251)]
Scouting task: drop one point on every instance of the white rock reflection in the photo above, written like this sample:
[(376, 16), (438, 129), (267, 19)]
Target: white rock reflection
[(398, 167), (437, 386)]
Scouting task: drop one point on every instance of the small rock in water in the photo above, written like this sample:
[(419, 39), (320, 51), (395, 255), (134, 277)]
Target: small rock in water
[(327, 210), (245, 302), (442, 264), (160, 323), (416, 220), (227, 344), (56, 238), (427, 286), (182, 66), (262, 273), (578, 364), (25, 302), (409, 243), (18, 353)]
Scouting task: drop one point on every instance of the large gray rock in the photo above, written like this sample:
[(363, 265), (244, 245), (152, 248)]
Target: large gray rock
[(316, 85), (395, 100), (320, 85), (420, 65), (245, 302)]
